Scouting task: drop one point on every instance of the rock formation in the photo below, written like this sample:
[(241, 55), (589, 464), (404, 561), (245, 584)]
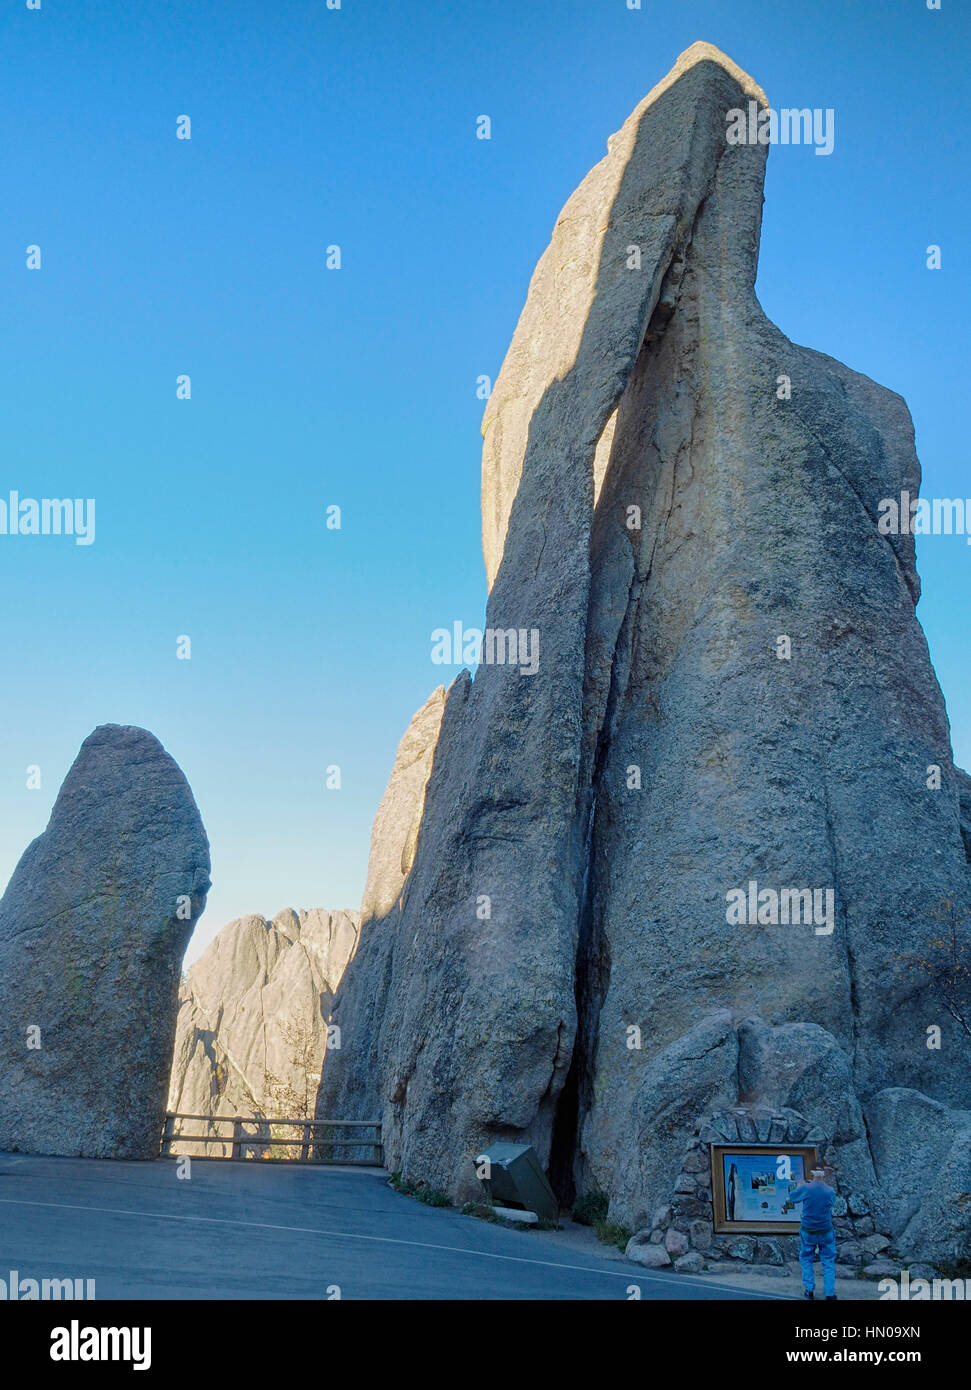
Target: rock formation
[(393, 844), (93, 927), (733, 689), (252, 1025), (394, 835)]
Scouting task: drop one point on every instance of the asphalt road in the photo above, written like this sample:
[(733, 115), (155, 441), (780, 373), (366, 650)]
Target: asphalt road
[(258, 1231)]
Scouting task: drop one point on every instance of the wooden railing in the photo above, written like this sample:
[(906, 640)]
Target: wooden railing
[(314, 1146)]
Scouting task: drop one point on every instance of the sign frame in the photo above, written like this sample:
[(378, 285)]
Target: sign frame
[(721, 1202)]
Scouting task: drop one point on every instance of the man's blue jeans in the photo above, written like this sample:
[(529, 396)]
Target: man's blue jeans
[(825, 1243)]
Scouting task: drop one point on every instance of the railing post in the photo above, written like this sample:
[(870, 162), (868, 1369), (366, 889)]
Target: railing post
[(166, 1134), (237, 1136), (305, 1150)]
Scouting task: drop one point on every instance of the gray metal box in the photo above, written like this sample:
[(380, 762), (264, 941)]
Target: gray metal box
[(517, 1178)]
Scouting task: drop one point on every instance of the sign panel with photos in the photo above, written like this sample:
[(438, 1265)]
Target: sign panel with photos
[(751, 1183)]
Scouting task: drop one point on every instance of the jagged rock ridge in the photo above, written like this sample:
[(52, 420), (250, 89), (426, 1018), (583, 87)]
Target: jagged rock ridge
[(252, 1024)]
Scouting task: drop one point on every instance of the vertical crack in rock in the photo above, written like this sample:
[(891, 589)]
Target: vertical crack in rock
[(661, 515)]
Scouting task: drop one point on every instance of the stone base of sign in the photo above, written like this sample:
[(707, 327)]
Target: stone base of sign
[(682, 1235)]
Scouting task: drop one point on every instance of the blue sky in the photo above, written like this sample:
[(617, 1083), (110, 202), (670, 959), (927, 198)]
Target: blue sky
[(356, 387)]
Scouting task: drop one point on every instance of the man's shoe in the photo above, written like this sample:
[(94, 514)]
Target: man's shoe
[(808, 1293), (830, 1298)]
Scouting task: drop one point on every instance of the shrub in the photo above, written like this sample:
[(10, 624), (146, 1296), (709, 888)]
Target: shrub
[(432, 1197), (612, 1234), (481, 1210), (590, 1208)]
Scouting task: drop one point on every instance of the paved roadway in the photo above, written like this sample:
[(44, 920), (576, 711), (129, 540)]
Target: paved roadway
[(251, 1230)]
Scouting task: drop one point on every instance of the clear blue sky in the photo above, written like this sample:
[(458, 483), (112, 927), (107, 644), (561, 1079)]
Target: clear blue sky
[(357, 387)]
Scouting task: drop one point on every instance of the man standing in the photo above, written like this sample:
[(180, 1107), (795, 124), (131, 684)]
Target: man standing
[(816, 1233)]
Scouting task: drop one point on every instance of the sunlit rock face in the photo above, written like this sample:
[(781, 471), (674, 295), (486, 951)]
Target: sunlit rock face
[(352, 1093), (252, 1025), (93, 928), (733, 690)]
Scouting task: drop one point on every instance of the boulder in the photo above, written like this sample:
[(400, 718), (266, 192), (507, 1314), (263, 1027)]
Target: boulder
[(851, 1252), (768, 1252), (700, 1233), (802, 1067), (874, 1245), (93, 927), (742, 1248), (643, 1251), (676, 1242), (922, 1153), (691, 1263)]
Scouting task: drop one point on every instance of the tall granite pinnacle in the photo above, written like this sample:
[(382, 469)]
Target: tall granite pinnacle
[(561, 969)]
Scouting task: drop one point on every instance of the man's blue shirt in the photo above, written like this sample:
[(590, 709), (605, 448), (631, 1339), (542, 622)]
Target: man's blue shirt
[(818, 1208)]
